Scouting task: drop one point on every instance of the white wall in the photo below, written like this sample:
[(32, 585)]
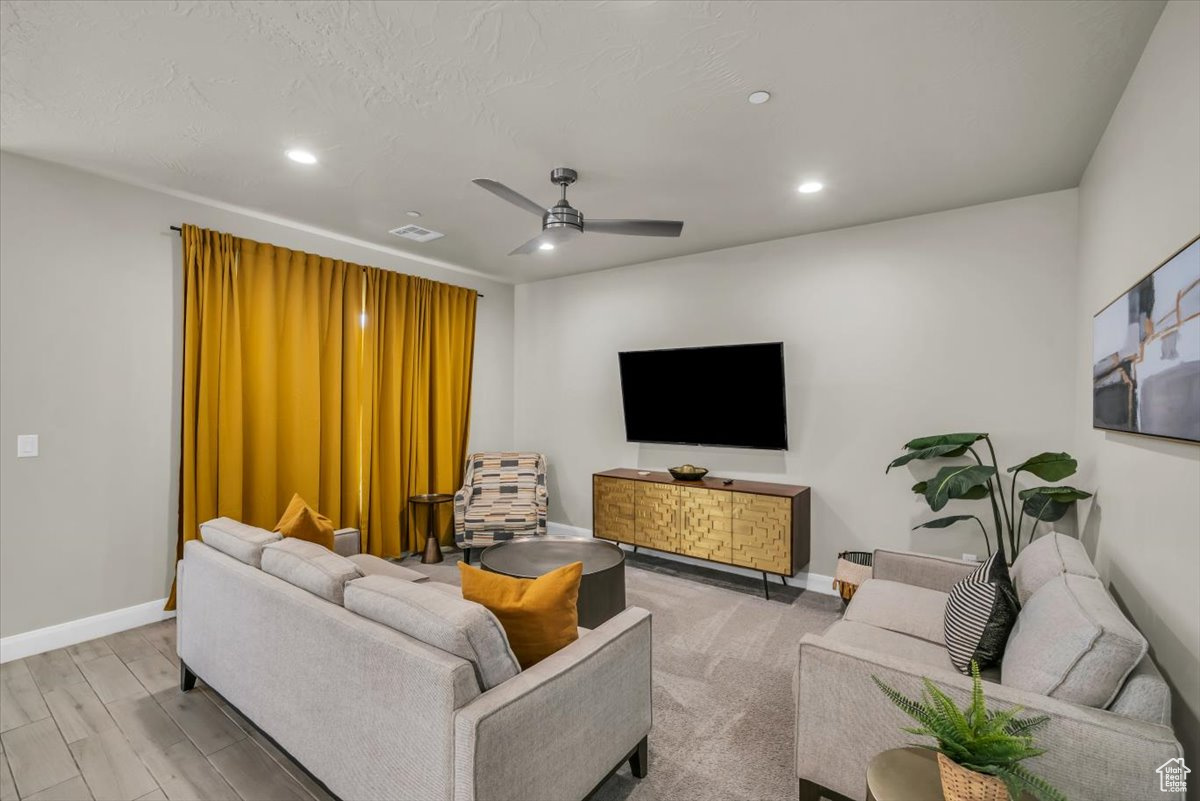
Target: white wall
[(956, 321), (1139, 202), (89, 360)]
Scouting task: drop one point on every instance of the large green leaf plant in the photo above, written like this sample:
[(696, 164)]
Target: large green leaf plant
[(972, 482), (993, 742)]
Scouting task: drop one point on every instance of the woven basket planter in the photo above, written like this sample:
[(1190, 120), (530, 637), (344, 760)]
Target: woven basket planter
[(853, 568), (964, 784)]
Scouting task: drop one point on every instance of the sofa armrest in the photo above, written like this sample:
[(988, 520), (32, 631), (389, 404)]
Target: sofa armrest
[(842, 720), (921, 570), (347, 541), (557, 729)]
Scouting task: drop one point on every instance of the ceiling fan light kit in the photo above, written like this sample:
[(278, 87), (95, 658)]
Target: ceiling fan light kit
[(563, 222)]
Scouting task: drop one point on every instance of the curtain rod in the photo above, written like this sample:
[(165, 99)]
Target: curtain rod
[(180, 230)]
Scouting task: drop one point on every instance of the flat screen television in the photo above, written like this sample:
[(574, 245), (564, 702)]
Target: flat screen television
[(730, 396)]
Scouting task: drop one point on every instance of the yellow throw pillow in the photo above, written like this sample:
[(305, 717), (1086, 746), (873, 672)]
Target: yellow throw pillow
[(304, 523), (539, 615)]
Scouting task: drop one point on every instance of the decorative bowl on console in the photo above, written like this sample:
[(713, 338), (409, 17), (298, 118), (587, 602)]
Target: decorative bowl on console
[(688, 472)]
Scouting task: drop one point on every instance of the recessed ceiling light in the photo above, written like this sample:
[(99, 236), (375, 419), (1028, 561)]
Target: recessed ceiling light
[(546, 246), (808, 187), (413, 213), (302, 156), (759, 97)]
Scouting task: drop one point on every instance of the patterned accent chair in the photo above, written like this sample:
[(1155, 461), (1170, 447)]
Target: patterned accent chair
[(503, 495)]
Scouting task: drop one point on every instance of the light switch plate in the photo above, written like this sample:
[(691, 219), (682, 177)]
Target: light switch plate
[(27, 445)]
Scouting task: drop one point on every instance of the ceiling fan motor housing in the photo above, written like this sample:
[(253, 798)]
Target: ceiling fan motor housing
[(563, 214)]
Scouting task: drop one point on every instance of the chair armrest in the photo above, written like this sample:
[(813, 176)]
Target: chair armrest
[(542, 500), (842, 720), (558, 728), (460, 511), (347, 542), (921, 570)]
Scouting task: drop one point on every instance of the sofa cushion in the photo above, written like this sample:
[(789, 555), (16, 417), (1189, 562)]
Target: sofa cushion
[(310, 567), (1046, 557), (369, 565), (303, 522), (455, 591), (439, 619), (901, 608), (901, 646), (540, 616), (980, 612), (1071, 642), (501, 513), (891, 643), (1145, 695), (244, 543), (449, 589)]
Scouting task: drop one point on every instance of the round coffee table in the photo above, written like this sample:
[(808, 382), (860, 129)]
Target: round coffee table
[(602, 587), (430, 500)]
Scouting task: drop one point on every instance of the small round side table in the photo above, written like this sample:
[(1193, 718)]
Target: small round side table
[(906, 774), (433, 549)]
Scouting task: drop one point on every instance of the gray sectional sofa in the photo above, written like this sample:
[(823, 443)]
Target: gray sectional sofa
[(384, 687), (1072, 656)]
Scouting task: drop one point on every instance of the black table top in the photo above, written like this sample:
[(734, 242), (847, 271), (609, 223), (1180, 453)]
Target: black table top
[(530, 557)]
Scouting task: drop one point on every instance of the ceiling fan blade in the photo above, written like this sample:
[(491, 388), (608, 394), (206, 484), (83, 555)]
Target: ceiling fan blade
[(511, 195), (555, 236), (635, 227)]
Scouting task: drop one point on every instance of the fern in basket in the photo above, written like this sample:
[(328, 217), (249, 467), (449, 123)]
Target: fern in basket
[(992, 742)]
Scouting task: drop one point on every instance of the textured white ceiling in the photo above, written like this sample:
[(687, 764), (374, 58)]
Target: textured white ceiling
[(899, 107)]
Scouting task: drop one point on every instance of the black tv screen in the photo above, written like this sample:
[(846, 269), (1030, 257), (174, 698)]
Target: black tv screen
[(732, 396)]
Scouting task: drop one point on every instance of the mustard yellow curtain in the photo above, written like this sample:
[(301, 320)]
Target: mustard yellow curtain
[(347, 384), (419, 338)]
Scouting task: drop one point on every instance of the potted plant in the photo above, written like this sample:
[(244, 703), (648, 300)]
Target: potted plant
[(980, 480), (978, 752)]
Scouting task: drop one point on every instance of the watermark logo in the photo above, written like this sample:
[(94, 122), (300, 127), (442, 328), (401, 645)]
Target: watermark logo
[(1172, 776)]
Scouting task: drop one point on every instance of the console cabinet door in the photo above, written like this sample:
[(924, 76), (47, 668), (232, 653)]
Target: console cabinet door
[(612, 509), (706, 527), (762, 532), (656, 515)]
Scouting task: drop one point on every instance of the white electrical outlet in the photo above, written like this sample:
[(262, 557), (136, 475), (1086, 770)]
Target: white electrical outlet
[(27, 445), (970, 557)]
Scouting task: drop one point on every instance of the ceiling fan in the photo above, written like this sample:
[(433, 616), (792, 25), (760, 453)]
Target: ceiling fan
[(563, 222)]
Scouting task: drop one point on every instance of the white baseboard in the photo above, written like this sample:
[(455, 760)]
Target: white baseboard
[(563, 530), (38, 641), (814, 582)]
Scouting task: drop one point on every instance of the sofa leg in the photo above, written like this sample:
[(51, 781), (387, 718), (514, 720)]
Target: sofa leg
[(187, 679), (639, 760)]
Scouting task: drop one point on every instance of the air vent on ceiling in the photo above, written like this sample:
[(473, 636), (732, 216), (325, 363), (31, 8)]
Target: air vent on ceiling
[(416, 233)]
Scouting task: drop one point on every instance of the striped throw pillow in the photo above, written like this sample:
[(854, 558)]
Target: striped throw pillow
[(980, 612)]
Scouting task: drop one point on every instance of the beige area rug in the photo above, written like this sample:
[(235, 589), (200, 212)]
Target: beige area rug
[(724, 717)]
